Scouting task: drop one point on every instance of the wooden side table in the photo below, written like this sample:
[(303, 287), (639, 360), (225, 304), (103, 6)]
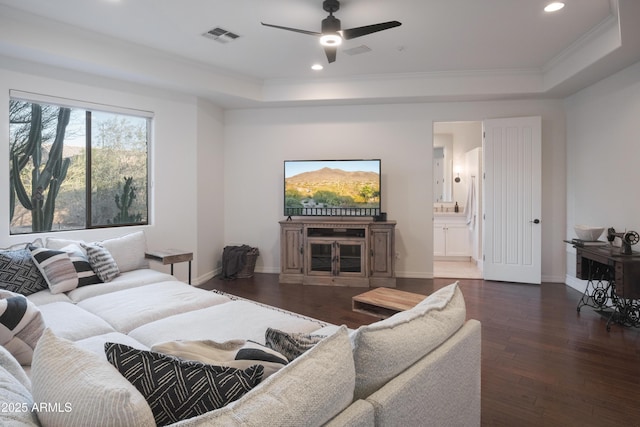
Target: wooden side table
[(171, 256), (385, 302)]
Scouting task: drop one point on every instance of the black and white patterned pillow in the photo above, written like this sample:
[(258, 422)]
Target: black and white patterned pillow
[(19, 274), (290, 345), (86, 275), (179, 389), (101, 262), (56, 267)]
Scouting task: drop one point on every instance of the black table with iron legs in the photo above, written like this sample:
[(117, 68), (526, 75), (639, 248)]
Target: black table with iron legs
[(613, 283)]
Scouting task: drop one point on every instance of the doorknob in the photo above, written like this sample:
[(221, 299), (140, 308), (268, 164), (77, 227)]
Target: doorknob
[(535, 221)]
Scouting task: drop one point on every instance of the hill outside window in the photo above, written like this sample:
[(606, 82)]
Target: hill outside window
[(76, 165)]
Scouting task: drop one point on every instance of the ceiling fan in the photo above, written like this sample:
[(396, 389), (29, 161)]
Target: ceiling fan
[(331, 36)]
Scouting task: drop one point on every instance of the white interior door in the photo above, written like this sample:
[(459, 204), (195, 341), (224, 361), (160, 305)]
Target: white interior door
[(512, 198)]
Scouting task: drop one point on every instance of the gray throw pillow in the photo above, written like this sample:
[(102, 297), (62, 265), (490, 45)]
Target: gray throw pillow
[(290, 345), (101, 262)]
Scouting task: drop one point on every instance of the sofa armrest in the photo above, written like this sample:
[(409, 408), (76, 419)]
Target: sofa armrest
[(441, 389), (358, 414)]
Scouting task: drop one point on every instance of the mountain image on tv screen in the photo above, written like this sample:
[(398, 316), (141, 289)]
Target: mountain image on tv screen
[(332, 187)]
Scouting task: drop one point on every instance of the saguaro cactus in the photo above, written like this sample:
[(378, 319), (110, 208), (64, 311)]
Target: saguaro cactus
[(45, 181), (124, 203)]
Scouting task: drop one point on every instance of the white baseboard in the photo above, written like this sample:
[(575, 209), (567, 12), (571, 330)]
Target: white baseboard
[(575, 283), (207, 276)]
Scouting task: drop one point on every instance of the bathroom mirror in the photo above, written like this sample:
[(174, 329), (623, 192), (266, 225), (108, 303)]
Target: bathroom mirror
[(452, 142), (442, 168)]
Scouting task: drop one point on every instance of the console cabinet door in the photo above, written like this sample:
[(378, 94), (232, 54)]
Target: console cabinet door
[(350, 258), (291, 249), (382, 251)]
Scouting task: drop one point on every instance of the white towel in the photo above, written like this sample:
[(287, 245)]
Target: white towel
[(471, 205)]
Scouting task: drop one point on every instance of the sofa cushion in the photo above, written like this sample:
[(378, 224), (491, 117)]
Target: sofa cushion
[(310, 391), (56, 268), (127, 309), (101, 262), (80, 261), (239, 354), (290, 344), (95, 344), (128, 251), (18, 272), (21, 325), (384, 349), (46, 297), (130, 279), (72, 322), (232, 320), (180, 389), (90, 390)]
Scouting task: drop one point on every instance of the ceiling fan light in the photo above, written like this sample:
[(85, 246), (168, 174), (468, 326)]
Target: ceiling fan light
[(330, 40), (554, 7)]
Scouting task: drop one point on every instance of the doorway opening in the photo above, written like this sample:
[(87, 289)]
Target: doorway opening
[(457, 201)]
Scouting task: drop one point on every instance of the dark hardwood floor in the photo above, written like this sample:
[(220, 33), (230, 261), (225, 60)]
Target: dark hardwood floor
[(543, 364)]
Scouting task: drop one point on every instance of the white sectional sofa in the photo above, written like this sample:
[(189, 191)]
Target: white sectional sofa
[(420, 367)]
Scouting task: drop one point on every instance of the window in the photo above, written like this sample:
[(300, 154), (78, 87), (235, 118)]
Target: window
[(73, 167)]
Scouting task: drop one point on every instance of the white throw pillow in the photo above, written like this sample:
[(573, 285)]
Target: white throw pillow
[(88, 390), (309, 391), (128, 251), (21, 325), (58, 244), (384, 349)]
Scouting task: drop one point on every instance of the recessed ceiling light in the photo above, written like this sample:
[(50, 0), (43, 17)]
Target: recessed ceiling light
[(316, 67), (554, 7)]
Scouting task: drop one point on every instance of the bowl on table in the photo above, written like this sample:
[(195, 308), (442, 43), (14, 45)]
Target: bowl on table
[(588, 233)]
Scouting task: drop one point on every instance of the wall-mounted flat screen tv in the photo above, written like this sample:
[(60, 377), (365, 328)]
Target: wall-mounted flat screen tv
[(332, 187)]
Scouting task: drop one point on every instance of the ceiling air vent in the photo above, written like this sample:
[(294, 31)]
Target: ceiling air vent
[(221, 35), (357, 50)]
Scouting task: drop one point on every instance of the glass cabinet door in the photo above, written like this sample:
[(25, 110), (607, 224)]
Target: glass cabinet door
[(321, 257), (350, 258)]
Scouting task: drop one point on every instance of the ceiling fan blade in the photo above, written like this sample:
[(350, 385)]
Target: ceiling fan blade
[(295, 30), (352, 33), (331, 51)]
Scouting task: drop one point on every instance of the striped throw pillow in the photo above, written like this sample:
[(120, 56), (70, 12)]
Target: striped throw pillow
[(86, 275), (101, 262), (56, 267)]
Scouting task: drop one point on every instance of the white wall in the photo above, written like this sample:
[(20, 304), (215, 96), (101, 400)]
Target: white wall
[(257, 141), (210, 177), (177, 143), (218, 183), (603, 158)]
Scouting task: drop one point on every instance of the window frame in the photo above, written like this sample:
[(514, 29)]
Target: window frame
[(90, 108)]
